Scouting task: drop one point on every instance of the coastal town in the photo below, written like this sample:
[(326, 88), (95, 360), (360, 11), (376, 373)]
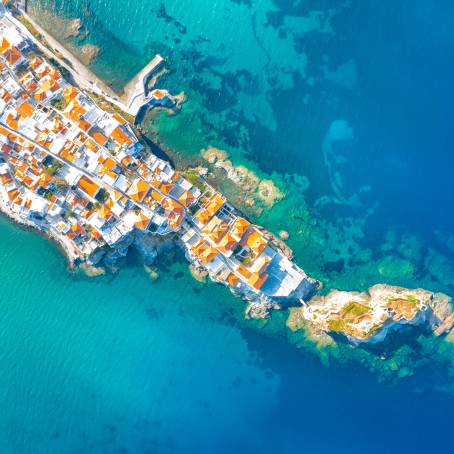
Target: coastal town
[(78, 172)]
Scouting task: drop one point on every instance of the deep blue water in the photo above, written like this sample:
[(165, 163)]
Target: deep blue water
[(354, 97), (125, 365)]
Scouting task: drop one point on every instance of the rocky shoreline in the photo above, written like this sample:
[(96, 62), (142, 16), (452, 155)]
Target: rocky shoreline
[(361, 318), (367, 318), (71, 255)]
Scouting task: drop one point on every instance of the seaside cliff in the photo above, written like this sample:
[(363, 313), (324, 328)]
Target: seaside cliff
[(77, 172)]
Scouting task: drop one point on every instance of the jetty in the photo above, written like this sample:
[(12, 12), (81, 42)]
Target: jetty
[(136, 90)]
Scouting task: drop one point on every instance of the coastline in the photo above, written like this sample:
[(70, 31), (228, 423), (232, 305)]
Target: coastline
[(83, 76), (65, 247), (192, 259), (134, 95)]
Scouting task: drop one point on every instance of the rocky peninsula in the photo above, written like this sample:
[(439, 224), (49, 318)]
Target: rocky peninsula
[(78, 172)]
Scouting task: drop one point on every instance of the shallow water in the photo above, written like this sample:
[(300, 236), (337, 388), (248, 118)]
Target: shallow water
[(346, 105), (123, 364)]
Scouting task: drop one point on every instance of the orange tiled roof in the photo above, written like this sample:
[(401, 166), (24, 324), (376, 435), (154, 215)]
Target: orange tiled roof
[(202, 216), (142, 221), (255, 241), (12, 55), (104, 212), (227, 243), (109, 164), (25, 109), (186, 198), (119, 118), (35, 63), (214, 203), (157, 196), (69, 93), (139, 190), (232, 279), (166, 187), (244, 271), (257, 281), (120, 136), (100, 138), (239, 228), (204, 251), (88, 186), (4, 45)]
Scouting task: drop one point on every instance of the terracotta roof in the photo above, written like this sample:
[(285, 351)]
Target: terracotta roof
[(255, 241), (202, 216), (204, 251), (186, 198), (12, 55), (100, 138), (109, 164), (69, 93), (120, 136), (35, 63), (104, 212), (214, 203), (142, 221), (257, 281), (88, 186), (232, 279), (227, 243), (138, 190), (25, 109), (119, 118), (166, 187), (239, 227), (156, 196), (4, 45)]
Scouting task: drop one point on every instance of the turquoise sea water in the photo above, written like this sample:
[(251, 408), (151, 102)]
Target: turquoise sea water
[(346, 105), (125, 365)]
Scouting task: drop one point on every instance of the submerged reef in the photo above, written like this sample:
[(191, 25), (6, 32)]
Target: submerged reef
[(252, 188)]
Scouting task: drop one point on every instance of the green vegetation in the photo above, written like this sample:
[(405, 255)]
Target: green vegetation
[(63, 71), (109, 107), (69, 213), (373, 330), (337, 325), (53, 167), (249, 260), (351, 314), (61, 184), (31, 55), (59, 103), (21, 70), (353, 310), (36, 34), (192, 175)]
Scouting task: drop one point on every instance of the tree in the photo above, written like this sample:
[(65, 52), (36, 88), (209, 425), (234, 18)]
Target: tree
[(59, 103), (61, 184)]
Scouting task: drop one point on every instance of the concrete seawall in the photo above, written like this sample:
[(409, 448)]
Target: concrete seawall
[(135, 91)]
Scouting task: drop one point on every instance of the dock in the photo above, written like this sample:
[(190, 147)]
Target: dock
[(136, 90)]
